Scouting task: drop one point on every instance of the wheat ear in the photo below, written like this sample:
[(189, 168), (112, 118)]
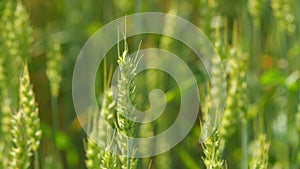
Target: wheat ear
[(26, 133)]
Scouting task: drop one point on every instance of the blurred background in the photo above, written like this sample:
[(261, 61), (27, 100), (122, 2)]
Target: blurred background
[(266, 31)]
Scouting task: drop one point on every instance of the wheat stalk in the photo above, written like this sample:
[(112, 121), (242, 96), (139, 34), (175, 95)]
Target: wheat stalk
[(298, 117), (53, 72), (117, 115), (108, 112), (16, 39), (260, 153), (5, 144), (25, 124), (236, 94), (285, 18), (211, 146), (96, 156), (102, 157), (15, 31), (5, 115), (255, 8), (126, 94)]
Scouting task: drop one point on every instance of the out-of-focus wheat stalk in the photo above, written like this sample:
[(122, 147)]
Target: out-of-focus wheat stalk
[(235, 102), (210, 18), (98, 157), (284, 16), (260, 153), (16, 40), (255, 8), (53, 72), (298, 116), (5, 143), (154, 80), (54, 66)]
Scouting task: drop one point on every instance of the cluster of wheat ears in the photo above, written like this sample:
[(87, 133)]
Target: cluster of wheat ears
[(19, 113)]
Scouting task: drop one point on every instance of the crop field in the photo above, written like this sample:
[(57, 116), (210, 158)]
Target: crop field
[(162, 84)]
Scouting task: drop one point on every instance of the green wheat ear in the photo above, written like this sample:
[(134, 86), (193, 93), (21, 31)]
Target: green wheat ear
[(260, 154), (15, 39), (25, 124), (108, 112), (54, 67), (125, 95), (212, 152), (116, 114), (234, 112), (211, 146), (96, 157)]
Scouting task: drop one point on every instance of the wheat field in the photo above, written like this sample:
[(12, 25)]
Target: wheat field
[(259, 47)]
